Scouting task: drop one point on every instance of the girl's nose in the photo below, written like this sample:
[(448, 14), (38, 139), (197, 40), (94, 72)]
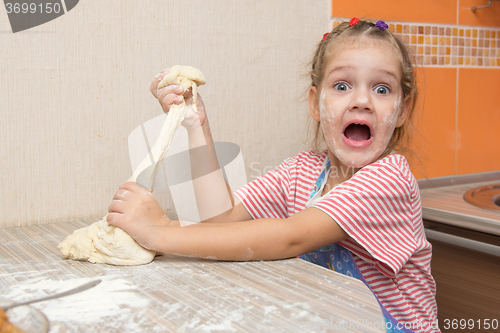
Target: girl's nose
[(361, 100)]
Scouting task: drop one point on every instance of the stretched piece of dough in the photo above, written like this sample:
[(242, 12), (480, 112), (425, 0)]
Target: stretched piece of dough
[(186, 77), (102, 243)]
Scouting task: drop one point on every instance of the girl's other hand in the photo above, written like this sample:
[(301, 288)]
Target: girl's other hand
[(135, 210), (173, 94)]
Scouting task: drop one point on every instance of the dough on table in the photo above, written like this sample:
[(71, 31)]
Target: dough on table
[(103, 243)]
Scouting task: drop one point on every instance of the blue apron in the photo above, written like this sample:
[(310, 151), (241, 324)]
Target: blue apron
[(339, 259)]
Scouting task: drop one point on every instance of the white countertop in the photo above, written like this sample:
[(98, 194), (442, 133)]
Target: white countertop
[(177, 294)]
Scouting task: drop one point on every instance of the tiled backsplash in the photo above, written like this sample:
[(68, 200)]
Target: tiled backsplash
[(447, 45)]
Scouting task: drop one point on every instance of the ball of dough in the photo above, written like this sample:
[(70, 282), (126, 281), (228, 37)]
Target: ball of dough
[(104, 244), (182, 76)]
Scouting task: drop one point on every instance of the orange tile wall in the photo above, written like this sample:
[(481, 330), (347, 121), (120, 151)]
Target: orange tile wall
[(459, 79)]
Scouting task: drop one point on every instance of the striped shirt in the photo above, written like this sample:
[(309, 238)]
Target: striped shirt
[(380, 209)]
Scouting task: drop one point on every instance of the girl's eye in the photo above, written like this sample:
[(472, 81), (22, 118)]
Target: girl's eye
[(382, 90), (341, 86)]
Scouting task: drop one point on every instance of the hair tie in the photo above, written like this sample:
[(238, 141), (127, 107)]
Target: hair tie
[(324, 36), (381, 25), (353, 21)]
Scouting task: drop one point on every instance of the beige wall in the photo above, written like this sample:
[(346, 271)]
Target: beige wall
[(73, 89)]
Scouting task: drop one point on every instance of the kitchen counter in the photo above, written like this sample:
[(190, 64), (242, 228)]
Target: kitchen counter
[(443, 201), (178, 294), (465, 250)]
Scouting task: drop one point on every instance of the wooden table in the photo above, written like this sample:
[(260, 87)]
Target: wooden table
[(177, 294)]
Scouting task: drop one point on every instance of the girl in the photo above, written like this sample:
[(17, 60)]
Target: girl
[(354, 207)]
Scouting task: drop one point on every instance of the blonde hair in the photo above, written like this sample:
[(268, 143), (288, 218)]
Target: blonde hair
[(366, 28)]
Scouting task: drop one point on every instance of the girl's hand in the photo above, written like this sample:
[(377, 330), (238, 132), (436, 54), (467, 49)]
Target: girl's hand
[(136, 211), (172, 94)]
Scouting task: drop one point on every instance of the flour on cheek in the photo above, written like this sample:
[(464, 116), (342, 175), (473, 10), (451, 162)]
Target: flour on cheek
[(387, 126), (389, 122), (392, 118), (328, 124)]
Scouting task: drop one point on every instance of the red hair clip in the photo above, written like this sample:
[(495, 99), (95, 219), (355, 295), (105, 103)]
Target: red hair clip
[(353, 21), (324, 36)]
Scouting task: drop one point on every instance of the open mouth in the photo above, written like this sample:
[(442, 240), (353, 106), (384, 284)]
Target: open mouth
[(357, 132), (357, 135)]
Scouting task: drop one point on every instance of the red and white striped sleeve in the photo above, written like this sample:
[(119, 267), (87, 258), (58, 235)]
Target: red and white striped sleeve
[(284, 190), (266, 196), (375, 209)]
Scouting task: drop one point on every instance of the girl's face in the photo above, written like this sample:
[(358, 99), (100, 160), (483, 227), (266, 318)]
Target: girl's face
[(359, 103)]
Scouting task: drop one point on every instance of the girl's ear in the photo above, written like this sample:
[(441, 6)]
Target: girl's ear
[(404, 112), (313, 103)]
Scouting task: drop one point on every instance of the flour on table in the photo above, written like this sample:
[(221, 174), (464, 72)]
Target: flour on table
[(115, 300), (102, 243)]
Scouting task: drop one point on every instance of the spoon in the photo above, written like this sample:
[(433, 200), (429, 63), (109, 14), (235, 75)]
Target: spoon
[(66, 293)]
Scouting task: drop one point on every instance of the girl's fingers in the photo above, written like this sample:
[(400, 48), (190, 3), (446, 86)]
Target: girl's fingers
[(168, 99), (170, 89), (154, 85), (117, 206), (120, 194), (170, 94), (113, 218)]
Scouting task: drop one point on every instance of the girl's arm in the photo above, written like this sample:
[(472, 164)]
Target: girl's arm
[(213, 195), (135, 210), (214, 198)]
